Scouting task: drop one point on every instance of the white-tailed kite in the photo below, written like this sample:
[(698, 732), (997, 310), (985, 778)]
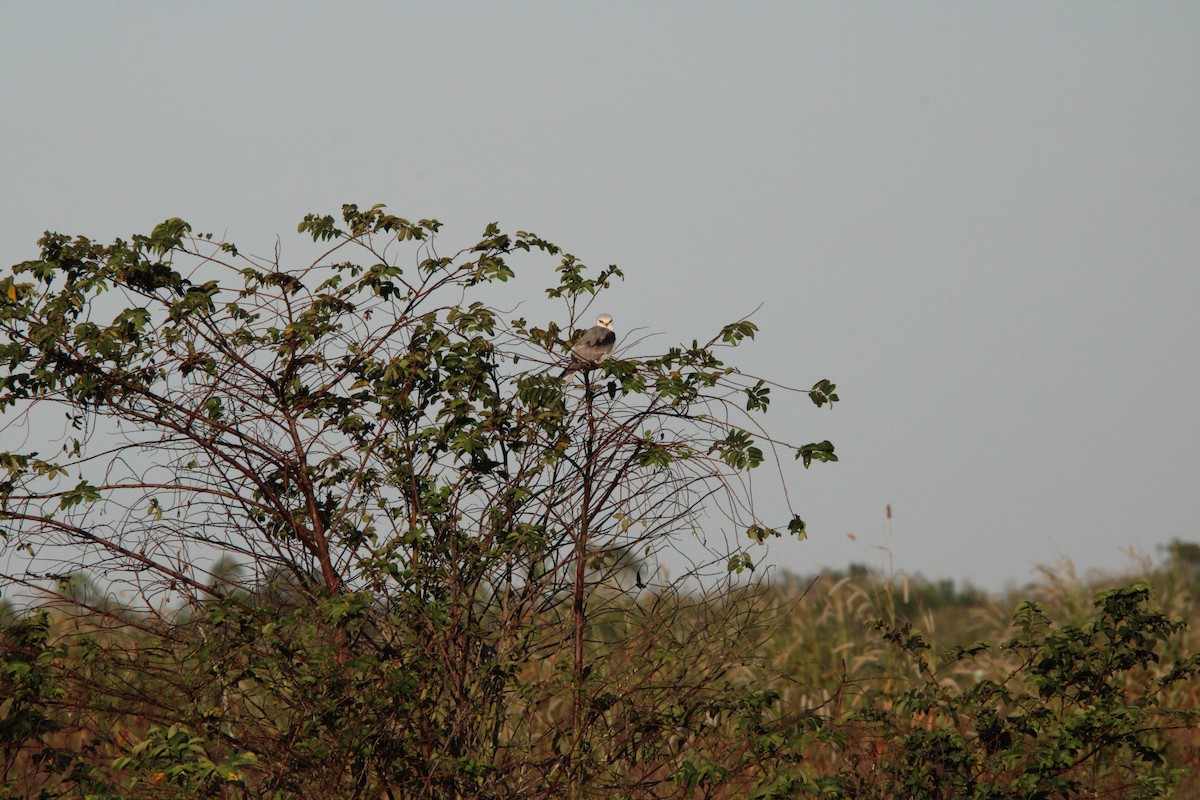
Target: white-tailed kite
[(594, 346)]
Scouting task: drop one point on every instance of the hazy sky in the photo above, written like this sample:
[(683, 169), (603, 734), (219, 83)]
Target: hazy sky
[(982, 221)]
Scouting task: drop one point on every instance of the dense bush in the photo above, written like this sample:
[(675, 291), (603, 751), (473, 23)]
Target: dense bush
[(340, 530)]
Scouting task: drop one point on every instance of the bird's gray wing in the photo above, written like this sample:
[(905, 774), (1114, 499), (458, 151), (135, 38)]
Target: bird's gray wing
[(595, 345)]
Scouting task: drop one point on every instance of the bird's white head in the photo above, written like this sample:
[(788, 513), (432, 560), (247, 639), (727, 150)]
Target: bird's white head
[(605, 321)]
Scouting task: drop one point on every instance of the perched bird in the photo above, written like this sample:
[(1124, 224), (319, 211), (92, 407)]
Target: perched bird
[(594, 346)]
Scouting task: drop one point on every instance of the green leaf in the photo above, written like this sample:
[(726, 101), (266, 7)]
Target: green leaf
[(168, 235), (739, 563), (735, 332), (797, 528), (820, 451), (757, 397), (83, 492), (823, 393)]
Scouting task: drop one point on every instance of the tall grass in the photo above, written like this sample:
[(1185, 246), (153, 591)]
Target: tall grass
[(800, 687), (827, 654)]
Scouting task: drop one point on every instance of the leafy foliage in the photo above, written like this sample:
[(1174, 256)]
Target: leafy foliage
[(1062, 703), (337, 530), (355, 536), (1076, 714)]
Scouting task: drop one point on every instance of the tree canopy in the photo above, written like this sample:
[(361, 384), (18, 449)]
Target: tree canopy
[(339, 529), (361, 454)]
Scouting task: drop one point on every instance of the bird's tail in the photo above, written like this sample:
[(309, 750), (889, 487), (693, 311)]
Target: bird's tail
[(573, 366)]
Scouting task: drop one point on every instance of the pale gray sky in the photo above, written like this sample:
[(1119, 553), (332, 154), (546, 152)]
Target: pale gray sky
[(982, 221)]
